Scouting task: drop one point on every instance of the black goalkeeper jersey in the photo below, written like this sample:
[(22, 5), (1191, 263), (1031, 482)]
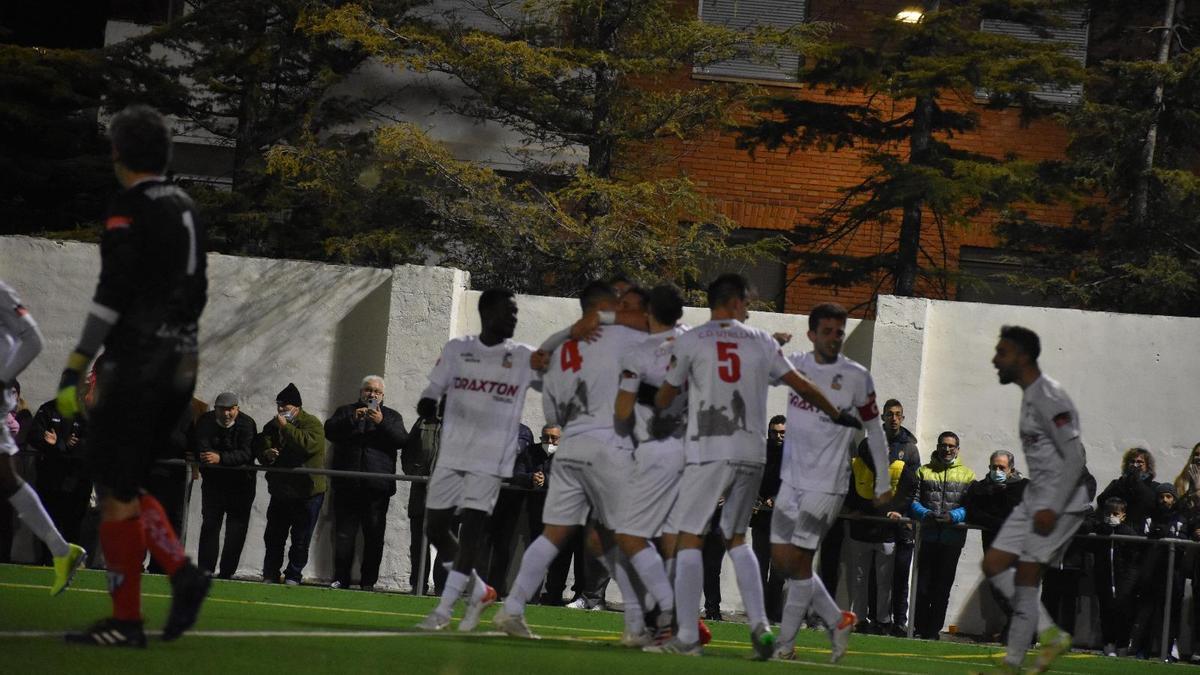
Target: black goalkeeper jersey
[(152, 271)]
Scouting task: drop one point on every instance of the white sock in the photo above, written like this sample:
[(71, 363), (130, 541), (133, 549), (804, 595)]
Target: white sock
[(534, 564), (1005, 583), (689, 583), (799, 597), (749, 581), (650, 570), (824, 605), (456, 583), (34, 515), (635, 620), (1023, 624), (478, 586)]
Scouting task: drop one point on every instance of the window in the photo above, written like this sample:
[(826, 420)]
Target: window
[(783, 66), (1073, 34), (767, 275), (145, 12), (985, 273)]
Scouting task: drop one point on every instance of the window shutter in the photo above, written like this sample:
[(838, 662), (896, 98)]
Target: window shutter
[(746, 14), (1074, 36)]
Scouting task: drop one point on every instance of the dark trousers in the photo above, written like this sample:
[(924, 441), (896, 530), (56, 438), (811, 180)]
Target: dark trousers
[(503, 531), (712, 554), (1060, 595), (772, 580), (232, 507), (935, 576), (355, 511), (67, 509), (900, 581), (297, 515), (416, 526), (830, 556)]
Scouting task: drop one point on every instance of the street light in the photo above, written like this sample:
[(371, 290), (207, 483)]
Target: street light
[(910, 15)]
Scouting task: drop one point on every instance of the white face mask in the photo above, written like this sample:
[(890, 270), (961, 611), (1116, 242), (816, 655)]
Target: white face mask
[(226, 425), (1112, 521), (551, 448)]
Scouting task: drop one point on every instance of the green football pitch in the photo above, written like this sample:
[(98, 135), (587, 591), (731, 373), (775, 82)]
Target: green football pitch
[(266, 629)]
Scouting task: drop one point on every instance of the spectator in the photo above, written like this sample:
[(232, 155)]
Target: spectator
[(365, 436), (988, 502), (171, 485), (760, 521), (712, 554), (1165, 522), (63, 480), (416, 459), (872, 545), (902, 445), (224, 437), (506, 516), (1115, 568), (943, 483), (291, 439), (990, 499), (1136, 486), (1187, 483)]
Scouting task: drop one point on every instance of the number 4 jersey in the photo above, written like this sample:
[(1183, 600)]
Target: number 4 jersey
[(485, 395), (728, 367)]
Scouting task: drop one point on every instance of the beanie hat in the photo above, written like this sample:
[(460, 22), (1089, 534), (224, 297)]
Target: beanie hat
[(290, 395), (1166, 488)]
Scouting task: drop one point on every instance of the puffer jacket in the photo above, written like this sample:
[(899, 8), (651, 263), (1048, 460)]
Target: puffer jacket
[(941, 489)]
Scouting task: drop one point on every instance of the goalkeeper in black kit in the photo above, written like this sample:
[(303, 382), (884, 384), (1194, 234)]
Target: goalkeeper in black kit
[(145, 314)]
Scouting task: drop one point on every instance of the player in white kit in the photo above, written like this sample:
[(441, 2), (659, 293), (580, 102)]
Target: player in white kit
[(659, 457), (727, 367), (1040, 528), (484, 379), (592, 463), (20, 343), (816, 464)]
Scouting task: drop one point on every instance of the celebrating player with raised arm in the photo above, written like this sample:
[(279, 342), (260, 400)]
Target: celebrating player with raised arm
[(592, 464), (20, 343), (1039, 530), (728, 367), (145, 313), (484, 379), (816, 461)]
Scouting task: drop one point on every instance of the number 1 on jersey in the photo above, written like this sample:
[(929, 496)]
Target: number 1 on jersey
[(731, 366), (569, 357)]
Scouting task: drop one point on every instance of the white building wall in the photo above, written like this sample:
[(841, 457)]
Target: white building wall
[(325, 326)]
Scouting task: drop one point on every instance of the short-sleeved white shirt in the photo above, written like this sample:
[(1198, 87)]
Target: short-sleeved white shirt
[(579, 389), (14, 322), (728, 367), (648, 363), (1050, 427), (485, 394), (817, 450)]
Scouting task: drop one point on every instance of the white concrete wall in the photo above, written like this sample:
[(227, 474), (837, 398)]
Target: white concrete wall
[(323, 327)]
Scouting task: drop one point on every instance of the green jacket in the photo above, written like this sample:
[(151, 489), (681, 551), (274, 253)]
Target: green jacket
[(301, 442)]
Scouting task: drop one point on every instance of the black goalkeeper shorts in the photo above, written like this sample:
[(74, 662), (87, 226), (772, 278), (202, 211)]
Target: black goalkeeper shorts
[(140, 413)]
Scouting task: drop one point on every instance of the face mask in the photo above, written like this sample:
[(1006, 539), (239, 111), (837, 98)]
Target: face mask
[(289, 415), (998, 476), (226, 425), (1112, 521), (551, 448)]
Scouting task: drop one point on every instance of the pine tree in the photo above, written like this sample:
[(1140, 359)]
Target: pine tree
[(914, 85), (1135, 143)]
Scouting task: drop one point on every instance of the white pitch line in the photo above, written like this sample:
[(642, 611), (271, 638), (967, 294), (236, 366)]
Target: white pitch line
[(276, 634)]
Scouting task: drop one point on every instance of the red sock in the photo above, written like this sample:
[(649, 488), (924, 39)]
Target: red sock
[(160, 536), (124, 550)]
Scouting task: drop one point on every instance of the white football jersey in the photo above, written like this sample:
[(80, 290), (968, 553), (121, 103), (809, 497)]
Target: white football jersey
[(1049, 433), (728, 367), (15, 324), (648, 362), (579, 389), (485, 394), (816, 450)]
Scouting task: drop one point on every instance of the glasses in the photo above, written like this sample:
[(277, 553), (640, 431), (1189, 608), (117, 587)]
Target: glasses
[(547, 437), (946, 446)]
